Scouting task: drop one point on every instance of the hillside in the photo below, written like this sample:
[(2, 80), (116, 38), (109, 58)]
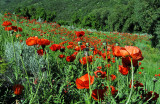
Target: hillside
[(64, 8), (133, 16)]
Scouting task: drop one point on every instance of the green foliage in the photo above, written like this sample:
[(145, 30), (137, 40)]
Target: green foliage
[(36, 13), (3, 66)]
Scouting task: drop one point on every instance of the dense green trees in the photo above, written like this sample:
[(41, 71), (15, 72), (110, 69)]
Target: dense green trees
[(36, 13), (140, 16)]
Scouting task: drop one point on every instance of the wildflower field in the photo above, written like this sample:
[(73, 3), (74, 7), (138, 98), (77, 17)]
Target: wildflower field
[(45, 63)]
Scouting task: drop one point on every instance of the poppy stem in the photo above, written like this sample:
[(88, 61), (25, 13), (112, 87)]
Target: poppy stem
[(36, 90), (90, 90), (26, 73), (131, 84), (117, 61)]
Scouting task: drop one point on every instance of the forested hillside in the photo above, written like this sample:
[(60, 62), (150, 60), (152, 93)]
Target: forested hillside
[(138, 16)]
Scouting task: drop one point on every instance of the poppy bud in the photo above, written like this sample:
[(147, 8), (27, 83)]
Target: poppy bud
[(105, 47), (98, 74), (11, 32), (62, 49), (86, 49), (92, 48), (104, 43), (154, 79), (43, 69), (86, 53), (87, 44), (117, 44), (79, 43)]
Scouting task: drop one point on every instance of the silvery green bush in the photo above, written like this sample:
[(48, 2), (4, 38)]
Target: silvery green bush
[(32, 61)]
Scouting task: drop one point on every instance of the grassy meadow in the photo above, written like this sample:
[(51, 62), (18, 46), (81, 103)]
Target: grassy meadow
[(45, 63)]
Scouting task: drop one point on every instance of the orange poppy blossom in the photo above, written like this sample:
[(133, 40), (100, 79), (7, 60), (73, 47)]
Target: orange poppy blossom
[(123, 70), (6, 23), (55, 47), (120, 51), (43, 42), (134, 52), (18, 89), (32, 41), (84, 60), (100, 74), (83, 81)]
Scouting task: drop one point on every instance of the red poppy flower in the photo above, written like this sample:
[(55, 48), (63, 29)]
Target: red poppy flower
[(84, 60), (83, 81), (61, 56), (100, 74), (80, 33), (134, 52), (77, 48), (123, 70), (82, 47), (113, 77), (136, 84), (18, 35), (55, 47), (70, 46), (99, 67), (8, 28), (43, 42), (127, 62), (62, 49), (19, 29), (18, 89), (6, 23), (70, 58), (95, 51), (113, 90), (119, 51), (70, 43), (32, 41), (40, 52), (14, 28), (75, 53), (149, 95), (98, 93)]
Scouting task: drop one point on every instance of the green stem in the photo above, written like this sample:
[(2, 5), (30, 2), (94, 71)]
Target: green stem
[(90, 90), (131, 84), (117, 61), (36, 91), (26, 73)]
